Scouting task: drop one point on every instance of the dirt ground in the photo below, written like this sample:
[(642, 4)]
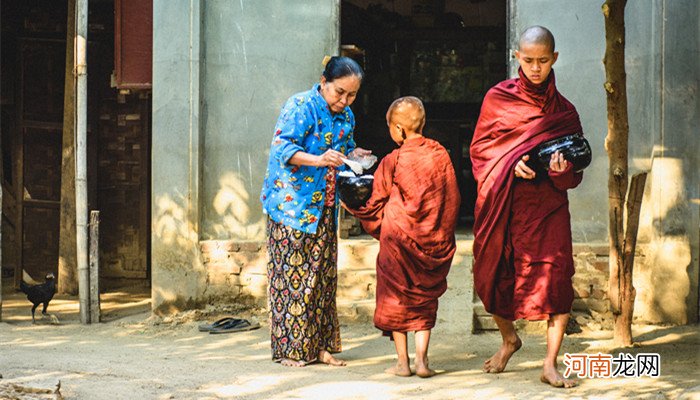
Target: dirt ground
[(133, 355)]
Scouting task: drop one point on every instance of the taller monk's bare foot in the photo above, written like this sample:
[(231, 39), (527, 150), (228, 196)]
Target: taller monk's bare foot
[(327, 358), (551, 376), (497, 363), (400, 369), (422, 368), (292, 363)]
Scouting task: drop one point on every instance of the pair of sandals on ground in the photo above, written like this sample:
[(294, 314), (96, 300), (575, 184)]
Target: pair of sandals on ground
[(229, 325)]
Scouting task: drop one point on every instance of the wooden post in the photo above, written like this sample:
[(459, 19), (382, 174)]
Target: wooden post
[(81, 209), (67, 279), (94, 267), (616, 140), (622, 332), (623, 241)]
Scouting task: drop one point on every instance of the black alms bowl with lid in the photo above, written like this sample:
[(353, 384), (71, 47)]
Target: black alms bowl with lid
[(354, 190), (575, 149)]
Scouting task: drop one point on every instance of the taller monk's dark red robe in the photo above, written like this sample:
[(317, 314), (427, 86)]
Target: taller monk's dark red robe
[(413, 212), (523, 261)]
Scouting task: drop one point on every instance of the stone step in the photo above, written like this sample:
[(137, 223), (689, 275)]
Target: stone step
[(483, 321), (352, 311), (357, 284)]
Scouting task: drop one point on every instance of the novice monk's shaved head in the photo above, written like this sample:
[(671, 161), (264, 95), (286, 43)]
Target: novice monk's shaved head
[(408, 112), (536, 35)]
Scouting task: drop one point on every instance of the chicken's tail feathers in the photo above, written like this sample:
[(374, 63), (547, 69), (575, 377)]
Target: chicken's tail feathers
[(28, 278)]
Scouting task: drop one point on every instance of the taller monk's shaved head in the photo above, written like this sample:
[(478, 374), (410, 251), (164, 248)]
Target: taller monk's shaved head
[(537, 35)]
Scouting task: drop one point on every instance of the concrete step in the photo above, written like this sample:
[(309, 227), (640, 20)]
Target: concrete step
[(483, 321), (352, 311), (357, 284)]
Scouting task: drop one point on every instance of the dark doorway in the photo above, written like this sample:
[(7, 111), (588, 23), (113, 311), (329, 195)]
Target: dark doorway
[(448, 53), (119, 135)]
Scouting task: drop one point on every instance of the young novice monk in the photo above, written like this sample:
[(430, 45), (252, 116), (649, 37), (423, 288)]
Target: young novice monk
[(523, 260), (413, 212)]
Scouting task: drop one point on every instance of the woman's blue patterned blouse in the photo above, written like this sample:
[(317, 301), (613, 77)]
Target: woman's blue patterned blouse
[(294, 195)]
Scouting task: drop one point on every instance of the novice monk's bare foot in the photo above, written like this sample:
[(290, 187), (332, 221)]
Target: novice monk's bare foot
[(292, 363), (497, 363), (327, 358), (423, 370), (551, 376), (400, 369)]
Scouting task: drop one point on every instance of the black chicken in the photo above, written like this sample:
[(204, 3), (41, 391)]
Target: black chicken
[(41, 294)]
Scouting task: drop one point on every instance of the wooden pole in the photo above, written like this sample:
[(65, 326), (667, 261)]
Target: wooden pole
[(622, 332), (618, 131), (81, 210), (67, 265), (94, 267), (621, 291)]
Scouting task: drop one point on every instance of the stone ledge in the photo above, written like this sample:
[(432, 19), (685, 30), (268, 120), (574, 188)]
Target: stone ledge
[(243, 264)]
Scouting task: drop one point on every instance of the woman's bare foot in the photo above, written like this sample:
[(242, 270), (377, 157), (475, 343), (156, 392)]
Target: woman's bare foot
[(551, 376), (327, 358), (497, 363), (400, 369), (292, 363), (422, 369)]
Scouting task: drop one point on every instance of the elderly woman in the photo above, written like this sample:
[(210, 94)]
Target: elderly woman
[(313, 134)]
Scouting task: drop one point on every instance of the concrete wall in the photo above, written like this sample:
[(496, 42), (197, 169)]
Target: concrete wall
[(177, 276), (671, 214), (221, 72), (662, 81), (256, 55)]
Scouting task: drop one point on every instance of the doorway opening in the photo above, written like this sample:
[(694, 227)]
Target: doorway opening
[(33, 77), (448, 53)]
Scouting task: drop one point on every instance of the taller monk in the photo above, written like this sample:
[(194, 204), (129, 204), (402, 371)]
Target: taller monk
[(523, 261)]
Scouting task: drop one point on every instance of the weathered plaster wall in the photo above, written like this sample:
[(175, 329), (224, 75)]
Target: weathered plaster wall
[(221, 72), (178, 278), (671, 214), (256, 55)]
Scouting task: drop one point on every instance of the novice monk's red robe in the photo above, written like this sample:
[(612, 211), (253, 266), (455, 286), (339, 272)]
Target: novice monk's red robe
[(523, 261), (413, 212)]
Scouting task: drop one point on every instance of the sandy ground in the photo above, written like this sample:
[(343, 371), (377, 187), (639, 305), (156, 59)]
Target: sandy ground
[(135, 356)]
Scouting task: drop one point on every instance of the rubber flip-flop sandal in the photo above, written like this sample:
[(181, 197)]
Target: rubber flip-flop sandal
[(217, 324), (235, 326)]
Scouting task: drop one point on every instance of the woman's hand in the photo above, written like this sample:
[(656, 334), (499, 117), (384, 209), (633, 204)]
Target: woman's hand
[(558, 163), (359, 152), (330, 158), (522, 170)]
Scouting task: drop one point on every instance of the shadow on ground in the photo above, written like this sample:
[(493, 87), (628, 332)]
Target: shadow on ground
[(136, 355)]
